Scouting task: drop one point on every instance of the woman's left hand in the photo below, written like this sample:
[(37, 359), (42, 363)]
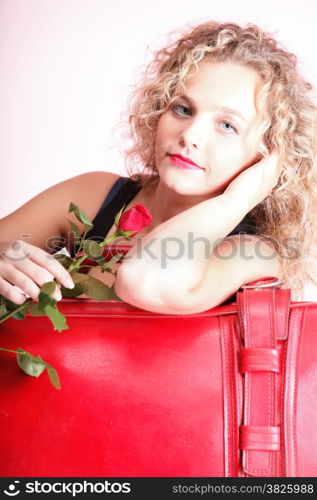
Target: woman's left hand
[(255, 182)]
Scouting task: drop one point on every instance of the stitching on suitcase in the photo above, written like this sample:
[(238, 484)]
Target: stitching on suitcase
[(244, 382), (226, 409), (248, 389), (231, 367), (285, 320), (272, 386), (298, 344), (296, 324), (283, 464)]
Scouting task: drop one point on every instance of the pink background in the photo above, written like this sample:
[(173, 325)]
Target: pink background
[(66, 67)]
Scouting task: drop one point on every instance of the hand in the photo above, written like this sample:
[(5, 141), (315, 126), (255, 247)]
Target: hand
[(28, 267), (256, 182)]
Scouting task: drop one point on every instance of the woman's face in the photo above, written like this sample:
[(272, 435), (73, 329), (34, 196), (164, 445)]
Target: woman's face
[(214, 124)]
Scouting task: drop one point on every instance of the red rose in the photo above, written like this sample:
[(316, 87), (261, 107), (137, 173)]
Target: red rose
[(135, 219)]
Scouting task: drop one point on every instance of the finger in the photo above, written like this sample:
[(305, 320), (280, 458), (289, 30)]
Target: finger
[(47, 261), (11, 293), (56, 295), (19, 279), (39, 275), (24, 283)]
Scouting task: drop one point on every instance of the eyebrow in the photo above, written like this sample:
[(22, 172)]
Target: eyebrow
[(223, 109)]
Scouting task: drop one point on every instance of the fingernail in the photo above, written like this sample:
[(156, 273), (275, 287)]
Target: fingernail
[(58, 295), (70, 284)]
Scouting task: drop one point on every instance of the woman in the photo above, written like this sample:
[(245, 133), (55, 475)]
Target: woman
[(224, 127)]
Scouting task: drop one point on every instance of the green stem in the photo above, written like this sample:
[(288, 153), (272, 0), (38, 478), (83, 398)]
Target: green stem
[(76, 264), (14, 352), (82, 239), (110, 239), (11, 313)]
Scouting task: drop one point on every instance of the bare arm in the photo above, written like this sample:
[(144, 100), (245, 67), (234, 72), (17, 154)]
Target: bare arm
[(158, 283), (39, 228), (238, 260)]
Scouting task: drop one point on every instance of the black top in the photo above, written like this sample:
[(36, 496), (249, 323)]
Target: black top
[(121, 193)]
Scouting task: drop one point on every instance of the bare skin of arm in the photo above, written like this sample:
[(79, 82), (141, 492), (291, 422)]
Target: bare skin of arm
[(196, 281), (39, 228)]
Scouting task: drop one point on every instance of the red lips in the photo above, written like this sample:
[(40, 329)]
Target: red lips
[(187, 160)]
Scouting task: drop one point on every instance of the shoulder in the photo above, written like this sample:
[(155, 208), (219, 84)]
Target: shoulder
[(46, 214), (87, 191), (89, 183)]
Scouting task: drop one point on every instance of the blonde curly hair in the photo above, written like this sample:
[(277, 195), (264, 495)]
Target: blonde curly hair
[(287, 217)]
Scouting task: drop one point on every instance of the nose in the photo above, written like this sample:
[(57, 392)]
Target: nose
[(193, 134)]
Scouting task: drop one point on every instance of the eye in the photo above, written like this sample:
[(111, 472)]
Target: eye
[(181, 109), (228, 127)]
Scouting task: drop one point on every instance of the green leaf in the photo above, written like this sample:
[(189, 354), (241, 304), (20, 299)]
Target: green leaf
[(14, 311), (11, 306), (20, 314), (63, 259), (113, 295), (112, 261), (95, 289), (127, 234), (30, 364), (45, 297), (92, 249), (3, 309), (34, 310), (78, 277), (49, 288), (56, 317), (47, 307), (75, 229), (72, 292), (35, 366), (101, 261), (53, 376), (118, 215), (81, 216)]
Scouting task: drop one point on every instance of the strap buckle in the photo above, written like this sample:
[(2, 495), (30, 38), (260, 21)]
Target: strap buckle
[(263, 284)]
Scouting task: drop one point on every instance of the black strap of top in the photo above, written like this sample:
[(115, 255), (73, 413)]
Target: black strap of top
[(121, 193), (246, 226)]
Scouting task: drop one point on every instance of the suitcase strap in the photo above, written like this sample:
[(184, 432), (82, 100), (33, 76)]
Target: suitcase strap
[(258, 310)]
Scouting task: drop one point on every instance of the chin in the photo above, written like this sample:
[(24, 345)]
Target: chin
[(181, 185)]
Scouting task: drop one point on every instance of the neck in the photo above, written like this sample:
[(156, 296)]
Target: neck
[(163, 203)]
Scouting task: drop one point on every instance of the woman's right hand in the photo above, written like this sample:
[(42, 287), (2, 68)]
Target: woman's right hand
[(28, 267)]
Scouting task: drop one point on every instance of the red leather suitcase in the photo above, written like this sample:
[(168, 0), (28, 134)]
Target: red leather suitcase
[(228, 392)]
